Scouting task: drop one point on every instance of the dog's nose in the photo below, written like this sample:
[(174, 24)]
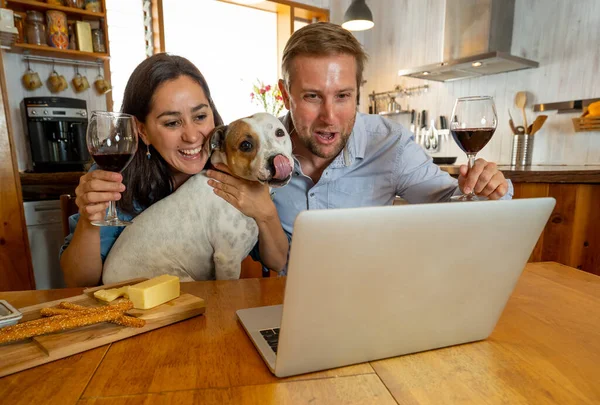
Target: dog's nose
[(280, 167)]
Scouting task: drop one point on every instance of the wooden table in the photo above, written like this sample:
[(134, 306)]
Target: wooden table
[(545, 349)]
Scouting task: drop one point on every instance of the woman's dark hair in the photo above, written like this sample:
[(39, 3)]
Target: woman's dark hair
[(149, 180)]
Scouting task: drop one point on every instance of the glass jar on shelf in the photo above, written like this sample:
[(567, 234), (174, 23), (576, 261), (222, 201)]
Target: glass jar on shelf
[(35, 29), (98, 42), (75, 3), (93, 6)]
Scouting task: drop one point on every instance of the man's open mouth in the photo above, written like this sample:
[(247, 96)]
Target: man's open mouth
[(325, 136)]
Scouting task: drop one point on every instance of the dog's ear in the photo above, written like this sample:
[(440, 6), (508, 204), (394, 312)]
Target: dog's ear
[(217, 138)]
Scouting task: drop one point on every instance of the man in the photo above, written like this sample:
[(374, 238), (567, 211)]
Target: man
[(347, 159)]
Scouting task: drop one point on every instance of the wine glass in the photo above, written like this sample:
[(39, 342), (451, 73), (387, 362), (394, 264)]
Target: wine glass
[(112, 140), (473, 124)]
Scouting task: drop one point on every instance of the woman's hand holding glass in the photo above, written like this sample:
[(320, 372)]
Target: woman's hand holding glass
[(112, 141), (95, 191)]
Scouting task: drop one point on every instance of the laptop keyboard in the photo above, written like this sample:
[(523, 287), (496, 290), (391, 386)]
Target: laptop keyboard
[(272, 337)]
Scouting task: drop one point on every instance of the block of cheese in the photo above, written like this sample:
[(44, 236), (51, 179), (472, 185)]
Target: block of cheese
[(153, 292), (112, 294)]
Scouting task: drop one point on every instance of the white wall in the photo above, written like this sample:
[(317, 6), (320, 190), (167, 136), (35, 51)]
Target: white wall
[(563, 36), (15, 67), (315, 3)]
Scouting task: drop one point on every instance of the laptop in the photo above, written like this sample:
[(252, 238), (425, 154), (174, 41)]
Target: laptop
[(370, 283)]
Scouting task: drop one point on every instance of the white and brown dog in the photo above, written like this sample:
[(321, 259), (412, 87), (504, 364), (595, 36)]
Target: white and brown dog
[(193, 233)]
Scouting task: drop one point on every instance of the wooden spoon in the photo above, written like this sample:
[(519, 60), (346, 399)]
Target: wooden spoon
[(520, 102), (537, 124)]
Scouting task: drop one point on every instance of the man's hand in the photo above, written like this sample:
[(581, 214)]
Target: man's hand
[(484, 178), (250, 197)]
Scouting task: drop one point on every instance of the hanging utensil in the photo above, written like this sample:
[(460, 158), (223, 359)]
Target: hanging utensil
[(424, 129), (432, 134), (511, 123), (417, 128), (520, 102), (537, 124), (444, 126)]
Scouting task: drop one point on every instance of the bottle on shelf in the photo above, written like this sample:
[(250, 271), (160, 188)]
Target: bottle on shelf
[(98, 41), (93, 6)]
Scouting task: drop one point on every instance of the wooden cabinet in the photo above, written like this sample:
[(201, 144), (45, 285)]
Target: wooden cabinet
[(572, 234)]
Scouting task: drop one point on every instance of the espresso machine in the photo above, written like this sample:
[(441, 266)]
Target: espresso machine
[(56, 127)]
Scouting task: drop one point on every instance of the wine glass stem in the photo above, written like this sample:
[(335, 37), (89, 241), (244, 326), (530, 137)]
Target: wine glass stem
[(471, 157), (112, 212)]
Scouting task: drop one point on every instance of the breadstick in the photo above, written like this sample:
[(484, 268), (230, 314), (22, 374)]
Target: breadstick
[(124, 320), (54, 324), (56, 311), (123, 306), (131, 321), (82, 316), (70, 305)]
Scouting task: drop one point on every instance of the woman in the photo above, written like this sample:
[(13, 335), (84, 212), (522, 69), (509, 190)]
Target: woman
[(171, 101)]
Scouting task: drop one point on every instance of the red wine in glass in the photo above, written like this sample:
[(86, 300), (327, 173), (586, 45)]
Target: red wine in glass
[(474, 123), (112, 141), (472, 140), (112, 162)]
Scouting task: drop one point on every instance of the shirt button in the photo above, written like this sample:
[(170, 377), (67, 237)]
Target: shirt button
[(312, 194)]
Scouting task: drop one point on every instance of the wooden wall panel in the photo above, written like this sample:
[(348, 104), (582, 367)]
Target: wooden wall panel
[(16, 272)]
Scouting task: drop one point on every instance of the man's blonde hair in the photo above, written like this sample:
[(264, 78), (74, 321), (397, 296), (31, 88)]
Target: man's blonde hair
[(322, 39)]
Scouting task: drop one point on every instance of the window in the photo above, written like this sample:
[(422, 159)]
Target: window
[(126, 41), (232, 45)]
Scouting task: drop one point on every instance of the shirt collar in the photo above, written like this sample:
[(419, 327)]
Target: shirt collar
[(355, 147)]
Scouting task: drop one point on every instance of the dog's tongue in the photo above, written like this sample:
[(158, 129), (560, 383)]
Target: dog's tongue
[(282, 167)]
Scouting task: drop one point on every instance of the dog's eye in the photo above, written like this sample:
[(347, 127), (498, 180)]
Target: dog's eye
[(246, 146), (279, 133)]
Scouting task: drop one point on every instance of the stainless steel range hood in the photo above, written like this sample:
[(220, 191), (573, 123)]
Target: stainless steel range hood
[(477, 42)]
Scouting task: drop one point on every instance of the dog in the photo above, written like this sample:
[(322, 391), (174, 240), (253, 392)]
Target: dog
[(193, 233)]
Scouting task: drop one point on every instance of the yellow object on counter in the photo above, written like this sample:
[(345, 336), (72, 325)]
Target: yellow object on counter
[(151, 293), (112, 294), (593, 110)]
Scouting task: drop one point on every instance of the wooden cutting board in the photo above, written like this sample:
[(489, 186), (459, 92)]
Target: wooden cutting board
[(33, 352)]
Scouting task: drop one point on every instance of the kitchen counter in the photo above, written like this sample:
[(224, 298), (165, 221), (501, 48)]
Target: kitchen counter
[(48, 186), (50, 178), (544, 174)]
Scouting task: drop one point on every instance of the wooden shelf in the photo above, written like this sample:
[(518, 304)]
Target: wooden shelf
[(58, 53), (24, 5)]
